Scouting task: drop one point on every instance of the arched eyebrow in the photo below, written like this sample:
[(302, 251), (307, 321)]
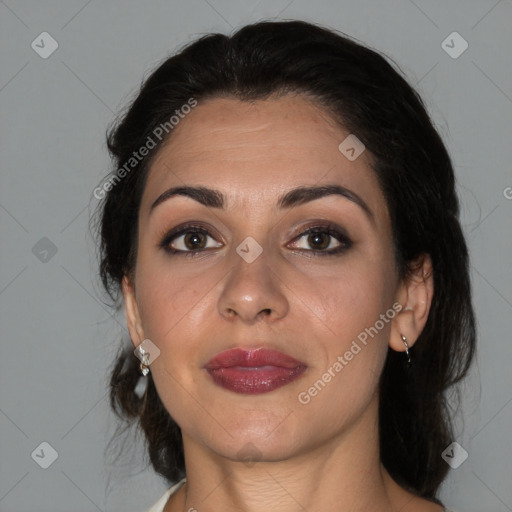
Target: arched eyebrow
[(216, 199)]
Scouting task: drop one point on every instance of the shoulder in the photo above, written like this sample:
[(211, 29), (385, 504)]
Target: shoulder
[(160, 504)]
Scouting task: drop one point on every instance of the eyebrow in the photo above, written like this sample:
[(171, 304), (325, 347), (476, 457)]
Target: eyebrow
[(215, 199)]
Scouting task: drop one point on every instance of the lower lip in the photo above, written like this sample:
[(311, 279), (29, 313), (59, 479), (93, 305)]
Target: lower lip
[(252, 381)]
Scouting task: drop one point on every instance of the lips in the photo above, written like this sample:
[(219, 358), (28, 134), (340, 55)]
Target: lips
[(253, 371)]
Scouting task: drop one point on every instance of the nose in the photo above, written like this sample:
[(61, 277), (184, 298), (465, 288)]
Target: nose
[(253, 290)]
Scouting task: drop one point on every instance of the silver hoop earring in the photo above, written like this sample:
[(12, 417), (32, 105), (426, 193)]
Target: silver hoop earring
[(404, 339)]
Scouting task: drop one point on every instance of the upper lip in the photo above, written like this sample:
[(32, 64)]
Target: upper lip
[(252, 358)]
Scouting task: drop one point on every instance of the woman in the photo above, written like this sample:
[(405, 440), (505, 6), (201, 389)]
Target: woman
[(283, 226)]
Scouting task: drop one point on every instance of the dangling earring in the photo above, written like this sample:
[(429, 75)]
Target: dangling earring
[(404, 339), (144, 362)]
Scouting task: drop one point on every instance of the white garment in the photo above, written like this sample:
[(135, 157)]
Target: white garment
[(160, 504)]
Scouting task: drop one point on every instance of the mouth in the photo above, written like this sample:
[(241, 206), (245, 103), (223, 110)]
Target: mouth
[(253, 371)]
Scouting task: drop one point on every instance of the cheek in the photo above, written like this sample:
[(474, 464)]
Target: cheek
[(166, 304), (353, 297), (165, 294), (356, 309)]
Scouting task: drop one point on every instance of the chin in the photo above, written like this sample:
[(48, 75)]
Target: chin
[(270, 438)]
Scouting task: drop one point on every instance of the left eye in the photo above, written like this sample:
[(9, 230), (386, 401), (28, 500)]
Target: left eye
[(322, 239)]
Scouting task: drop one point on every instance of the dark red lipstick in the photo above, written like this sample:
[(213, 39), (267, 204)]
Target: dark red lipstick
[(253, 371)]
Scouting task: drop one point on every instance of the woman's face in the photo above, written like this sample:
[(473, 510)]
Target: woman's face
[(249, 276)]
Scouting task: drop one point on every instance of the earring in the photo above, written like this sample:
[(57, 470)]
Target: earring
[(404, 339), (144, 362)]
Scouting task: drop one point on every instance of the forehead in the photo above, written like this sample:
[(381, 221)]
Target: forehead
[(251, 149)]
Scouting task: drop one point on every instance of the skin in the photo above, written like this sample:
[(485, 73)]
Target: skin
[(316, 457)]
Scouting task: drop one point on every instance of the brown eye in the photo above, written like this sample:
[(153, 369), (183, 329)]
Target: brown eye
[(188, 240), (194, 240), (323, 240), (319, 240)]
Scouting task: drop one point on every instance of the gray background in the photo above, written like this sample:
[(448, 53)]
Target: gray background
[(58, 337)]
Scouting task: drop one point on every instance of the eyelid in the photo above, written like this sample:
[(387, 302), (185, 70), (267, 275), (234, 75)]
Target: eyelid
[(192, 225), (320, 224)]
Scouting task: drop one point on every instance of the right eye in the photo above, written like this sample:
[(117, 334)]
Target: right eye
[(188, 240)]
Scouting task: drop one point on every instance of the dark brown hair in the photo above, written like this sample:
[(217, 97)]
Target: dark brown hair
[(368, 97)]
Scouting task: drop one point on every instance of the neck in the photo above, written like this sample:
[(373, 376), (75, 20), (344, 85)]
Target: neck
[(343, 473)]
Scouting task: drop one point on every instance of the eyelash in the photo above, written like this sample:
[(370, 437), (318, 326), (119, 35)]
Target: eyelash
[(329, 229)]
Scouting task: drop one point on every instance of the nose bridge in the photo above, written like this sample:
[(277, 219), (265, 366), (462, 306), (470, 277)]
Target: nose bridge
[(252, 287)]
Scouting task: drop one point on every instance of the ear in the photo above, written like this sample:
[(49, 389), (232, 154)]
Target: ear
[(132, 312), (415, 295)]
